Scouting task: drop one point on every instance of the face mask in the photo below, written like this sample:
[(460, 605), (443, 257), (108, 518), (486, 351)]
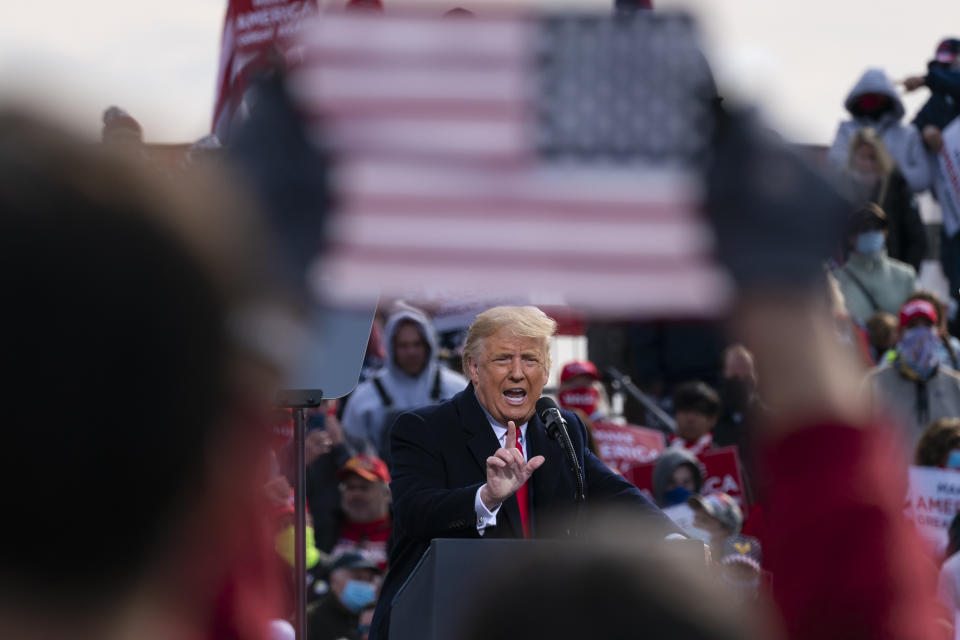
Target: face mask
[(583, 398), (870, 242), (918, 350), (953, 461), (358, 594), (677, 495)]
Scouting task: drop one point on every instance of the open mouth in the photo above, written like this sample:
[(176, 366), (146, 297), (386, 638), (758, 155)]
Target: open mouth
[(515, 396)]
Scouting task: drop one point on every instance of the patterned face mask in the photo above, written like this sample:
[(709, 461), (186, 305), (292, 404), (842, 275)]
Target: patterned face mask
[(918, 350)]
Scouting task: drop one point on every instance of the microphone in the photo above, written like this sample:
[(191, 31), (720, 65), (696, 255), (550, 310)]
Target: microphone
[(556, 425), (549, 412)]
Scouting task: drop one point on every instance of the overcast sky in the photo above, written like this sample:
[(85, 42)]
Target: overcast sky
[(796, 60)]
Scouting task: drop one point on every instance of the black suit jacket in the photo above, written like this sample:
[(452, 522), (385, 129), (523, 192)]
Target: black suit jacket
[(439, 458)]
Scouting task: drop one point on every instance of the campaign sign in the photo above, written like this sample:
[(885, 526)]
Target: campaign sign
[(932, 501), (623, 447), (720, 468)]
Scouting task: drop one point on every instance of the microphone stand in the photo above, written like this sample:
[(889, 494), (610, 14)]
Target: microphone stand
[(557, 429)]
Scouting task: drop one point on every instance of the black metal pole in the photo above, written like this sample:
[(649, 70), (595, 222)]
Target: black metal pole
[(300, 528)]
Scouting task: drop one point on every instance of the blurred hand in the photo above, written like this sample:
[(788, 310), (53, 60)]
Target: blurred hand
[(318, 443), (805, 377), (913, 83), (278, 491), (507, 471), (334, 428), (932, 138)]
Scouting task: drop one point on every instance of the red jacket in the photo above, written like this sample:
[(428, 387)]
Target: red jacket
[(845, 562)]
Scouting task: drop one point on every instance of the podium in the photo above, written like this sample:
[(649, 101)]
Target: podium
[(431, 603)]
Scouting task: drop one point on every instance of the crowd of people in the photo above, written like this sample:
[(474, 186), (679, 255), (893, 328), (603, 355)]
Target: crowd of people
[(899, 334), (436, 442)]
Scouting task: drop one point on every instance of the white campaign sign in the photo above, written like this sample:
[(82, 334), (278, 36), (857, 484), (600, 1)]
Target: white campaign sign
[(932, 500)]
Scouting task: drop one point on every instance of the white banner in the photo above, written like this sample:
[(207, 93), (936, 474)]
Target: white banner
[(932, 501)]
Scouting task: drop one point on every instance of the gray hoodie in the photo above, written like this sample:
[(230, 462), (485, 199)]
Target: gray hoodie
[(365, 413), (669, 460), (902, 140)]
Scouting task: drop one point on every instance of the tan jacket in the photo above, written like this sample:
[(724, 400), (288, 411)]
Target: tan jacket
[(889, 281)]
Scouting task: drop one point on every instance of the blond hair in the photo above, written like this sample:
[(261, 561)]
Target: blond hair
[(523, 322), (885, 161)]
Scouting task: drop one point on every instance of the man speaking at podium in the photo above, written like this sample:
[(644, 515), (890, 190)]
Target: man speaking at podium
[(482, 463)]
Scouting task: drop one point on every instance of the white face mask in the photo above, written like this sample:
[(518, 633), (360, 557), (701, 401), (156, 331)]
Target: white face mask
[(870, 242)]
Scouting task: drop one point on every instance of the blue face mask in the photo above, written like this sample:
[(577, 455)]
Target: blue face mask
[(870, 242), (358, 594), (677, 495)]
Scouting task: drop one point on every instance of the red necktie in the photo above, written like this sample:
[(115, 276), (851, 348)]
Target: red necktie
[(523, 498)]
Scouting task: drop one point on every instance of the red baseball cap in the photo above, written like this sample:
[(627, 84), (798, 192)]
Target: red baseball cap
[(367, 467), (917, 309), (579, 368)]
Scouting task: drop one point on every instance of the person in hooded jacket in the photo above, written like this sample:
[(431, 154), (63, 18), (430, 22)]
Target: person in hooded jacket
[(412, 377), (676, 477), (873, 102)]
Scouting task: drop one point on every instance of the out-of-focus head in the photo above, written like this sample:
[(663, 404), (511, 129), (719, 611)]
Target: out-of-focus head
[(740, 559), (948, 52), (507, 358), (580, 387), (738, 362), (696, 407), (113, 300), (869, 217), (120, 129), (354, 580), (938, 305), (720, 508), (939, 439), (605, 589), (918, 313), (676, 475), (364, 488), (410, 348), (882, 328)]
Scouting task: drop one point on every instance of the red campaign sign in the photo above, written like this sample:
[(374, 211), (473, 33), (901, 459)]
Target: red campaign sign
[(721, 473), (623, 447), (251, 29)]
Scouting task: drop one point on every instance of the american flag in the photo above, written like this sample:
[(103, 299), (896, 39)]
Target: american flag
[(552, 157)]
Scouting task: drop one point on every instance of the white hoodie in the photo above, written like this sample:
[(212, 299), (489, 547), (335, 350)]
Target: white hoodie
[(364, 414), (902, 140)]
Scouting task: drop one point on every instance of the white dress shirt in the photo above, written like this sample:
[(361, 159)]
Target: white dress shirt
[(486, 517)]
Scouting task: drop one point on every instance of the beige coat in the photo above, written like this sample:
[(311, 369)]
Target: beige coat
[(889, 281)]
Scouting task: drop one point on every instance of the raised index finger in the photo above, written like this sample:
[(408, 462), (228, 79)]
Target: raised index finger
[(511, 436)]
